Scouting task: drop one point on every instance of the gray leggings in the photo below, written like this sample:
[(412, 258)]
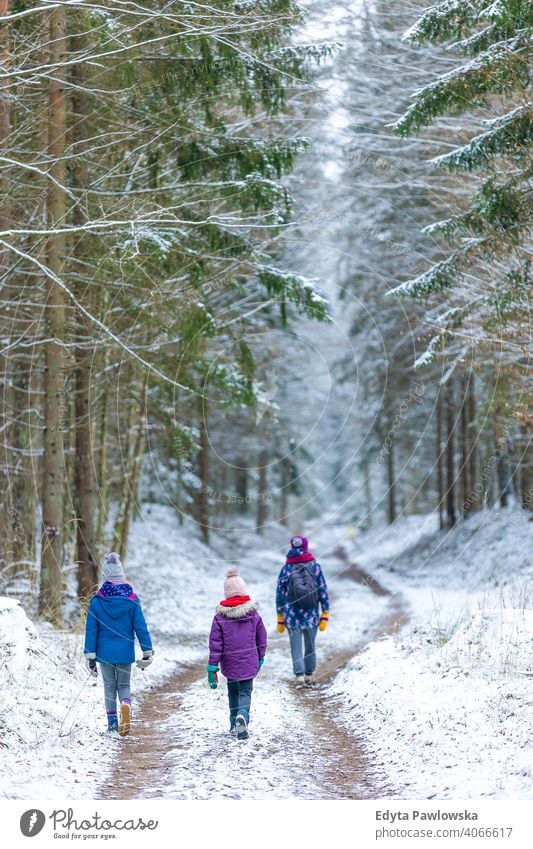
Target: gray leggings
[(116, 678)]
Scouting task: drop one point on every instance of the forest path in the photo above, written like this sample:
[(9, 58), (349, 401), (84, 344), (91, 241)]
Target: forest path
[(180, 747)]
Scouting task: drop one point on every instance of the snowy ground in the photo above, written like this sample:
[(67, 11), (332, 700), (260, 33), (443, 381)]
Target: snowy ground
[(438, 710), (290, 753), (445, 705), (53, 717), (50, 736)]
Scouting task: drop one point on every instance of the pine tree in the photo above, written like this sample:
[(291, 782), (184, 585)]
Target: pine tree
[(6, 549), (53, 481), (486, 276), (144, 247), (371, 215)]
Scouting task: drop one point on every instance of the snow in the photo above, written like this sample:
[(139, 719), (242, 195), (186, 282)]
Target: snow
[(209, 763), (468, 155), (48, 717), (18, 637), (445, 704), (437, 708), (52, 719), (179, 580)]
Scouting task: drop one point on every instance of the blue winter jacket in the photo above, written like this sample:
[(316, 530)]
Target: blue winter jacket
[(297, 619), (111, 626)]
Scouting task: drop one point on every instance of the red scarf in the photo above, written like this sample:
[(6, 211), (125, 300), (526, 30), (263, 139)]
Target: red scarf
[(235, 600), (305, 557)]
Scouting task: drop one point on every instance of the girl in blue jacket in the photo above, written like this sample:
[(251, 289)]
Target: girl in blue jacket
[(114, 618)]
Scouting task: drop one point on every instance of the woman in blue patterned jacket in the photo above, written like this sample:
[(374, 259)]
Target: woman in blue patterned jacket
[(302, 615)]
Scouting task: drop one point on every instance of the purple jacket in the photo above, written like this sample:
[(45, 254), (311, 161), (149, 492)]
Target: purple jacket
[(237, 641)]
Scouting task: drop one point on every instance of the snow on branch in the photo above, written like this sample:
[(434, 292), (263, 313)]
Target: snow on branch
[(92, 318), (498, 70), (296, 288), (445, 21), (508, 135)]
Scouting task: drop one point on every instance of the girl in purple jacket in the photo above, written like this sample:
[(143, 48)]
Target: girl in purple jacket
[(237, 646)]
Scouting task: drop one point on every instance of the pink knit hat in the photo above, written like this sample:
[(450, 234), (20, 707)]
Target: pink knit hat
[(234, 584)]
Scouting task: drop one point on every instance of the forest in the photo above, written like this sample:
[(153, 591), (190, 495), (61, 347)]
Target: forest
[(194, 201), (265, 337)]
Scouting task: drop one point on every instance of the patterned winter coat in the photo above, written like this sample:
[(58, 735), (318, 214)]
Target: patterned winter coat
[(114, 619), (297, 619), (237, 641)]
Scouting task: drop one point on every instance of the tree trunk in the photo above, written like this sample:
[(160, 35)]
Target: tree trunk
[(180, 505), (451, 515), (69, 443), (101, 476), (439, 461), (391, 486), (222, 500), (367, 484), (262, 493), (203, 469), (126, 471), (474, 436), (130, 485), (488, 466), (85, 499), (23, 490), (526, 490), (84, 482), (504, 477), (7, 516), (50, 599), (284, 492), (241, 485), (132, 502), (466, 484)]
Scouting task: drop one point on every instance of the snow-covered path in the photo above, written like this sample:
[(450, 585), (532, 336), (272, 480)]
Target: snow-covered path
[(180, 747), (440, 709)]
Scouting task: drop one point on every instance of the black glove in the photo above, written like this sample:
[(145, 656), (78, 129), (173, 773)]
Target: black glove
[(91, 665)]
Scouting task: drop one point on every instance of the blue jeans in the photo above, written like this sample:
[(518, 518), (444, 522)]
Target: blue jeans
[(303, 656), (116, 678), (240, 698)]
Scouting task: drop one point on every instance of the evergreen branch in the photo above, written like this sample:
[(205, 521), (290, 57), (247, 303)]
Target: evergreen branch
[(481, 41), (513, 297), (445, 21), (500, 70), (441, 275), (503, 212), (509, 135), (295, 288), (435, 346)]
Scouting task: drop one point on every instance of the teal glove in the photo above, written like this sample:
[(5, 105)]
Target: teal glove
[(212, 676), (261, 661)]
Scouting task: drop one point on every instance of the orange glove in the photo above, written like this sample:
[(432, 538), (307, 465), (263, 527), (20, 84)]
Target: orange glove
[(324, 619), (281, 623)]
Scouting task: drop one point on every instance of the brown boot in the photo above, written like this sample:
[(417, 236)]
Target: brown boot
[(124, 726)]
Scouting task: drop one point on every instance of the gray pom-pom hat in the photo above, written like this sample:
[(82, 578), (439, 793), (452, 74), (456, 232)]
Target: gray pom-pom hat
[(112, 569)]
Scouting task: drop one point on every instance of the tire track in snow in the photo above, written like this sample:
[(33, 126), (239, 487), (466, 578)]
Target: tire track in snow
[(180, 748)]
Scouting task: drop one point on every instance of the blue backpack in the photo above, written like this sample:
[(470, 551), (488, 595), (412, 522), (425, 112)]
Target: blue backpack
[(303, 587)]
